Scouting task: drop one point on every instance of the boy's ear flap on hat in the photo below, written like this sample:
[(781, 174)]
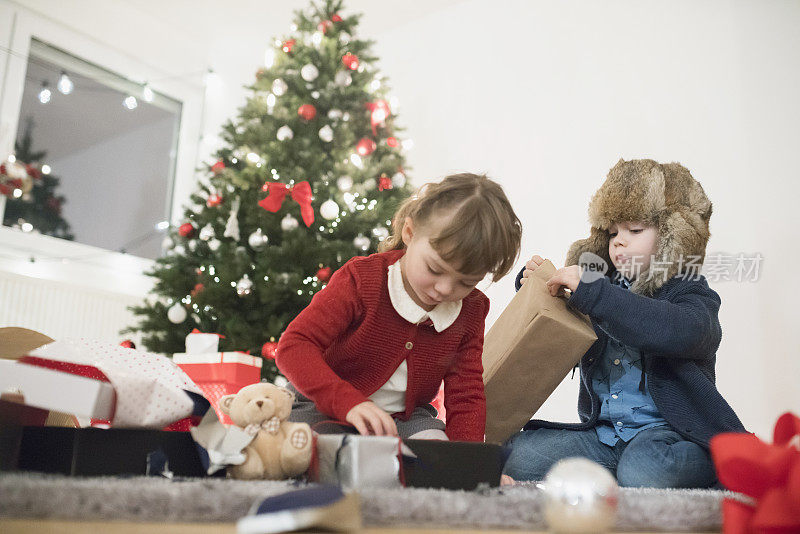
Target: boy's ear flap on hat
[(596, 243)]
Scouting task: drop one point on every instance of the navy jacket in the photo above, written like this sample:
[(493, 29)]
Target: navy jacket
[(678, 332)]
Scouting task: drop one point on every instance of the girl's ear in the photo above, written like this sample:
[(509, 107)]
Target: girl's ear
[(408, 231)]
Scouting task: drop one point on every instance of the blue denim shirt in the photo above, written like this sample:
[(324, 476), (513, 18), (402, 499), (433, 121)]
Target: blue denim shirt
[(624, 409)]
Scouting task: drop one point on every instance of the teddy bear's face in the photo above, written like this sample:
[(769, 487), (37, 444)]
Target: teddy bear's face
[(257, 403)]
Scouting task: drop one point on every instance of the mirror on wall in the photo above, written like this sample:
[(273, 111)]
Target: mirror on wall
[(94, 156)]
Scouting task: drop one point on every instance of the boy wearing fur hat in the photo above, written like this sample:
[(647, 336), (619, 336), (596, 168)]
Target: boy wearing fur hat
[(647, 403)]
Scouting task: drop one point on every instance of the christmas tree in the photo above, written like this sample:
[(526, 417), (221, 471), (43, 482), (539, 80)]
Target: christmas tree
[(310, 176), (32, 202)]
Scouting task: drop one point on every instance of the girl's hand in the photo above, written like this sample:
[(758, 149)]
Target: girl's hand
[(565, 278), (369, 419), (530, 266)]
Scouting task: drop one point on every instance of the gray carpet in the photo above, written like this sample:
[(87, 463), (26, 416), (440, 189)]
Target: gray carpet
[(31, 495)]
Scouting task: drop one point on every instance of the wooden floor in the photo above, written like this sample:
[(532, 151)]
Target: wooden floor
[(27, 526)]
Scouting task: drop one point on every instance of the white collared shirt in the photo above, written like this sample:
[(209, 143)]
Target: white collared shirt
[(391, 396)]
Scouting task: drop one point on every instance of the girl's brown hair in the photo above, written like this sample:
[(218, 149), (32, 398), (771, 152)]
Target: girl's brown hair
[(481, 232)]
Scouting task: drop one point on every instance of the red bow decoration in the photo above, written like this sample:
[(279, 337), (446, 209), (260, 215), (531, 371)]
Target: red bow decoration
[(379, 113), (301, 193), (769, 474)]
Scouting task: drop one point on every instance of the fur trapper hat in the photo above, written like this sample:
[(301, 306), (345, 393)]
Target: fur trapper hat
[(662, 194)]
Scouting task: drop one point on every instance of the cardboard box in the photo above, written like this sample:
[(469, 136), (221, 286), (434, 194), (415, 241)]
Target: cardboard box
[(98, 452), (220, 373), (366, 462), (528, 351)]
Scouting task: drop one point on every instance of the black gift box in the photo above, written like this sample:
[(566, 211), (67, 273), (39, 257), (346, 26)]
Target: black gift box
[(96, 452), (457, 465)]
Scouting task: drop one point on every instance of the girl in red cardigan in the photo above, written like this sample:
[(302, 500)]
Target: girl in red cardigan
[(373, 347)]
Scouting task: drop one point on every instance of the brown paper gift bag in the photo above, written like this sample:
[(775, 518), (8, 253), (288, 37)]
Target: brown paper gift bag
[(528, 351)]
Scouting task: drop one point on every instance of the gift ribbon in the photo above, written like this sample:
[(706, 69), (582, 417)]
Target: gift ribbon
[(301, 193), (198, 331), (767, 473)]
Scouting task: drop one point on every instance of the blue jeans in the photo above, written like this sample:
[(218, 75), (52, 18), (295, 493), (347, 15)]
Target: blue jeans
[(657, 457)]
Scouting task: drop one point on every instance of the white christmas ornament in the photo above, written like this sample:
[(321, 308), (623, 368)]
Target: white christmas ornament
[(580, 497), (381, 232), (326, 133), (399, 179), (335, 114), (168, 243), (176, 313), (284, 133), (232, 226), (193, 245), (329, 209), (207, 232), (214, 244), (279, 87), (344, 183), (361, 242), (309, 72), (257, 240), (179, 250), (315, 94), (244, 286), (343, 78), (344, 37), (289, 223)]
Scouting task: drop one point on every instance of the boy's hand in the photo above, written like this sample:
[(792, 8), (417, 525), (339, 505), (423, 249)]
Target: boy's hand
[(530, 266), (369, 419), (565, 278)]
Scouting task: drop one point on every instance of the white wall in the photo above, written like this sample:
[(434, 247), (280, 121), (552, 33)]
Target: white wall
[(547, 96)]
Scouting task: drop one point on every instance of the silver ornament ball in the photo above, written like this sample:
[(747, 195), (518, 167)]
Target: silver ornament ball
[(279, 87), (257, 240), (176, 313), (214, 244), (207, 232), (284, 133), (580, 497), (361, 242), (329, 209), (326, 133), (399, 179), (289, 223), (343, 78), (309, 72), (344, 183), (244, 286)]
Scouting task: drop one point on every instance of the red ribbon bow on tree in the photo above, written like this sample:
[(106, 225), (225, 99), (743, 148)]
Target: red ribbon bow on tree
[(301, 193), (379, 113), (769, 474)]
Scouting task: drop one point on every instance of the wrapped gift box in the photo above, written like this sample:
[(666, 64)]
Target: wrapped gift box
[(220, 374), (127, 387), (366, 462), (98, 452), (200, 343)]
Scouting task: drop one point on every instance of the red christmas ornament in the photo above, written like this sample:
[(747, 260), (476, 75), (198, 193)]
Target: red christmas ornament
[(33, 172), (213, 201), (128, 344), (218, 167), (392, 142), (350, 61), (324, 25), (198, 288), (324, 274), (287, 45), (269, 350), (186, 230), (384, 183), (366, 146), (307, 111), (336, 18)]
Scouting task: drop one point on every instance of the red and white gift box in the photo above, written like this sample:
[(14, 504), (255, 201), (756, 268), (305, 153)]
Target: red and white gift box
[(220, 373), (149, 390)]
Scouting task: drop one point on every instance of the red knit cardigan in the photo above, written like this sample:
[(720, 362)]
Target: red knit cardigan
[(349, 340)]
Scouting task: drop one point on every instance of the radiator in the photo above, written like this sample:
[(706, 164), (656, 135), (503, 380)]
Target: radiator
[(62, 310)]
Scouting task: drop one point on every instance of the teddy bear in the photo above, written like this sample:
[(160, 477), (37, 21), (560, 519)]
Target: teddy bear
[(280, 449)]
